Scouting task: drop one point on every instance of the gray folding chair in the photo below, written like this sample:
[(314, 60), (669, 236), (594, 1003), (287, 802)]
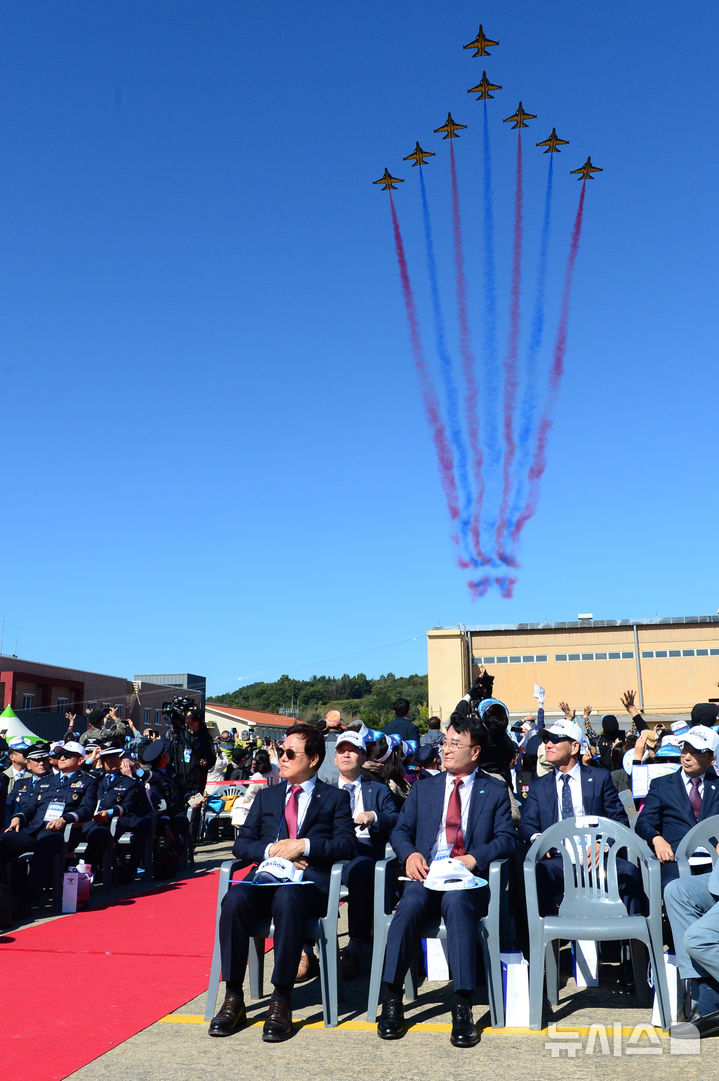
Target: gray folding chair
[(591, 907), (487, 932), (323, 930), (704, 835)]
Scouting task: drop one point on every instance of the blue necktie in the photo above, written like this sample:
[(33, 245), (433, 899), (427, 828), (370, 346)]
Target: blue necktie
[(351, 789), (567, 806)]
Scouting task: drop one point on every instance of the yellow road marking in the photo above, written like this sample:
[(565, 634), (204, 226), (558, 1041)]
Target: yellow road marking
[(421, 1027)]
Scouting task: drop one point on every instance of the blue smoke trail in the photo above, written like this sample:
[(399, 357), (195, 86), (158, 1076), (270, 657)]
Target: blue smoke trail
[(491, 366), (531, 389), (453, 422)]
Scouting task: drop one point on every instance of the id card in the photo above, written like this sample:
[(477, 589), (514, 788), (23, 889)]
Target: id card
[(54, 810)]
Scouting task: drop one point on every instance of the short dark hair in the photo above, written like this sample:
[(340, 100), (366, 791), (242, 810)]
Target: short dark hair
[(401, 707), (434, 722), (314, 740), (471, 724)]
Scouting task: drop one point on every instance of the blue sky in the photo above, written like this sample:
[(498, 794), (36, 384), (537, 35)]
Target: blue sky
[(215, 455)]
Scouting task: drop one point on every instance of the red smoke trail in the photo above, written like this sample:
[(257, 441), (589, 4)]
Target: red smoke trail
[(468, 362), (510, 361), (429, 395), (539, 462)]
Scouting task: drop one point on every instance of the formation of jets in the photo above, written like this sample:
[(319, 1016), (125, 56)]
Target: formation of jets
[(483, 87), (480, 43), (585, 171), (450, 128), (519, 119), (419, 156), (553, 143)]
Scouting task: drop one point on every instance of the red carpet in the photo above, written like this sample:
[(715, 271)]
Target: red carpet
[(75, 987)]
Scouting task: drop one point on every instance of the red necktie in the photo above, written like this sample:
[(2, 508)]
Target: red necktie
[(291, 808), (453, 823), (694, 797)]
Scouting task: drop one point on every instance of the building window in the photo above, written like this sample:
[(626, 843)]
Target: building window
[(572, 656), (27, 701), (62, 705), (687, 653), (488, 660), (560, 656), (678, 652), (660, 653), (515, 660), (541, 657), (714, 652), (148, 715), (614, 656), (702, 653), (502, 660), (158, 716), (628, 655), (587, 656), (647, 654), (600, 656), (528, 660)]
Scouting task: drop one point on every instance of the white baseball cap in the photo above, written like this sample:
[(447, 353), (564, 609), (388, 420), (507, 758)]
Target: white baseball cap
[(566, 729), (701, 738), (354, 738)]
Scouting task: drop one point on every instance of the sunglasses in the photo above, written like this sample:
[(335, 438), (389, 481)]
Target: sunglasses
[(68, 754), (557, 739), (287, 753)]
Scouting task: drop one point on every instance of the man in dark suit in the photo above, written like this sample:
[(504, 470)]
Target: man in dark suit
[(466, 814), (571, 791), (309, 823), (676, 803), (375, 814)]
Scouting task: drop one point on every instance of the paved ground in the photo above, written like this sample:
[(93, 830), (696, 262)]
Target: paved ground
[(178, 1048)]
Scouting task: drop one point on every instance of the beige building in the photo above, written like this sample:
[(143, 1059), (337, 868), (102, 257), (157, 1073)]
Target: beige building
[(671, 663)]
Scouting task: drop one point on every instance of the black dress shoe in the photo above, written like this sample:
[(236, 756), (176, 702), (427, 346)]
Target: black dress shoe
[(391, 1020), (699, 1029), (230, 1016), (278, 1023), (464, 1030)]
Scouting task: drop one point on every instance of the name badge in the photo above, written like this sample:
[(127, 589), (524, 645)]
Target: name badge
[(442, 852), (187, 754), (54, 810)]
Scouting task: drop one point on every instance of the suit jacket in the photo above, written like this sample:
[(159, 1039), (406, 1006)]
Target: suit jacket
[(599, 797), (667, 811), (490, 834), (377, 797), (327, 824)]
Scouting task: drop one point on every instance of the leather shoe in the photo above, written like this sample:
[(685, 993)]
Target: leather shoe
[(350, 964), (278, 1023), (703, 1026), (308, 968), (464, 1031), (229, 1017), (391, 1020)]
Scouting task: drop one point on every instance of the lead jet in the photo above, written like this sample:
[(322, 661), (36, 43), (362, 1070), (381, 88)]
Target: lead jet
[(419, 156), (553, 143), (450, 127), (520, 117), (388, 181), (483, 87), (480, 43), (585, 171)]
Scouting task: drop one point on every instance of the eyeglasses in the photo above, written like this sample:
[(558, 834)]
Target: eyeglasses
[(67, 754), (288, 753), (453, 745), (557, 739)]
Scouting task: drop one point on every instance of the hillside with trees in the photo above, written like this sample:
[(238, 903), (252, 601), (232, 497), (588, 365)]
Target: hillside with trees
[(356, 697)]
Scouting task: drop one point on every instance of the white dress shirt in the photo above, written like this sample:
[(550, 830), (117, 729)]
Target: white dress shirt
[(357, 803), (303, 802), (688, 784), (465, 791), (575, 788)]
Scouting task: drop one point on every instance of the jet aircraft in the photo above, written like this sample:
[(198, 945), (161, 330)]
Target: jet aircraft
[(483, 87), (450, 127), (419, 156), (553, 143), (520, 117), (480, 43), (585, 171), (388, 181)]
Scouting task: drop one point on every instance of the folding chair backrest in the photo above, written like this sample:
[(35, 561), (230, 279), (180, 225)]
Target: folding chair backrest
[(704, 835)]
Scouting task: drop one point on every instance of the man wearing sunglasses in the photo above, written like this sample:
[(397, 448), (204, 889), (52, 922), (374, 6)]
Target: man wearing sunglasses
[(309, 823), (570, 791)]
